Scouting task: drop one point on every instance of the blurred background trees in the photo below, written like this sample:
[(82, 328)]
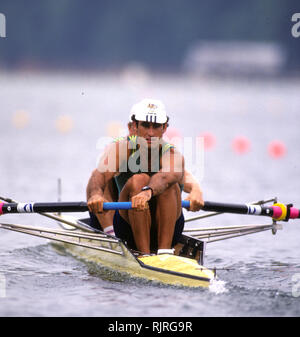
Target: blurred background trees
[(108, 34)]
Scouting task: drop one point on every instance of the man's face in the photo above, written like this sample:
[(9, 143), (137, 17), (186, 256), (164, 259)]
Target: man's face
[(151, 132), (132, 128)]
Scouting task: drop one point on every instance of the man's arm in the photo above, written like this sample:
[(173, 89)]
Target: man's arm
[(95, 185), (161, 180), (108, 166), (170, 173), (191, 186), (94, 192)]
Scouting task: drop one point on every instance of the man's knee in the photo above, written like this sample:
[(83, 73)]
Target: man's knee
[(137, 182), (170, 200), (172, 191)]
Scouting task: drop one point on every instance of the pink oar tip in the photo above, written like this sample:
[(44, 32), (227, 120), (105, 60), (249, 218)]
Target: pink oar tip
[(294, 213)]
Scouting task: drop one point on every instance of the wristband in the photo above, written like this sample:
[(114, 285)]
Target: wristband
[(146, 188)]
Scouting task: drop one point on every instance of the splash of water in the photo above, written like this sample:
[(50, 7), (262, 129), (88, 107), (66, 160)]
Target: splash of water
[(217, 287)]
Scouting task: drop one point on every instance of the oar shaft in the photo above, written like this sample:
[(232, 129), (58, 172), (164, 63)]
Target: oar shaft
[(225, 208), (277, 211), (36, 207), (45, 207)]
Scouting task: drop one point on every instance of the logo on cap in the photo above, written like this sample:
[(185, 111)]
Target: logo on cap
[(152, 106)]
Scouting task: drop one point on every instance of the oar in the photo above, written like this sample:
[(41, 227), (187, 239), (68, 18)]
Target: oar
[(277, 211), (210, 214), (81, 206), (71, 224)]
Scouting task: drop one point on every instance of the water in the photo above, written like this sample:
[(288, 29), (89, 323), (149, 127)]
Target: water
[(38, 280)]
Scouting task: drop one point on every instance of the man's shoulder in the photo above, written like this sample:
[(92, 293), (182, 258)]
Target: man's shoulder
[(128, 138)]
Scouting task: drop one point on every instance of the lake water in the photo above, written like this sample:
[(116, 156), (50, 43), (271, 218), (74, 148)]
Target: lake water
[(49, 128)]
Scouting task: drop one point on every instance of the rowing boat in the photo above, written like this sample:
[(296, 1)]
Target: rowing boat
[(77, 238), (181, 269), (184, 268)]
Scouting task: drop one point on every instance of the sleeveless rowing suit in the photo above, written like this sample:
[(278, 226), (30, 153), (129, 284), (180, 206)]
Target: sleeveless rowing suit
[(134, 156), (121, 227)]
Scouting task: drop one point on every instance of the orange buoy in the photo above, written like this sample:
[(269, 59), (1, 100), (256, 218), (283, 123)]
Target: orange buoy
[(20, 119), (64, 124), (115, 129)]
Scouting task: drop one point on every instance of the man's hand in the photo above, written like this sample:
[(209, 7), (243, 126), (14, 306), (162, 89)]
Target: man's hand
[(140, 201), (95, 203), (196, 200)]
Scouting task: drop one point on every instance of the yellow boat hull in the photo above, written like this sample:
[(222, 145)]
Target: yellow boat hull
[(178, 270), (167, 269)]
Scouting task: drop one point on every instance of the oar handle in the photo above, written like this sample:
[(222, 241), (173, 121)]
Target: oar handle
[(117, 205), (128, 205), (185, 203)]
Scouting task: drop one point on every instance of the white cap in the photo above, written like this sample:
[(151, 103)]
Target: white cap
[(149, 110)]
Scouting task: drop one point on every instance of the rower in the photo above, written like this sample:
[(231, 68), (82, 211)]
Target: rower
[(104, 221), (158, 189)]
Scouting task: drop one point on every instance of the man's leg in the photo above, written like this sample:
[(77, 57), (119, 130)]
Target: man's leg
[(168, 210), (106, 218), (140, 221)]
